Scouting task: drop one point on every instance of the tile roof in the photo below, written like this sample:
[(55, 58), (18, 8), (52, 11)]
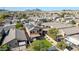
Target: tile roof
[(71, 31), (57, 24), (29, 25), (14, 34)]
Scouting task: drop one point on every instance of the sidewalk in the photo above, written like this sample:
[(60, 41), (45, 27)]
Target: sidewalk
[(52, 41)]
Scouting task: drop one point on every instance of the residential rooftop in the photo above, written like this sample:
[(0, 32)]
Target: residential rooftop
[(71, 31), (14, 34), (29, 25), (57, 24)]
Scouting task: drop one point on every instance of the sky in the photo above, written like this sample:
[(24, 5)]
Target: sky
[(42, 8)]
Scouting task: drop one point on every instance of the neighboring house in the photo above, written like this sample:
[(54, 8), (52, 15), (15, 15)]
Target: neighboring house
[(77, 15), (34, 18), (7, 27), (4, 30), (2, 23), (15, 20), (72, 40), (58, 25), (69, 31), (32, 30), (15, 38), (68, 18), (59, 19), (24, 20), (7, 21), (55, 16), (77, 22), (0, 33), (71, 36)]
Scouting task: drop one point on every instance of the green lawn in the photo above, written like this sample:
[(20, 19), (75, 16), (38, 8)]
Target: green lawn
[(47, 43), (40, 45)]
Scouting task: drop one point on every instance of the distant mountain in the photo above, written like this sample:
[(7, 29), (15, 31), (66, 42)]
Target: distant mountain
[(37, 9), (3, 10), (34, 9)]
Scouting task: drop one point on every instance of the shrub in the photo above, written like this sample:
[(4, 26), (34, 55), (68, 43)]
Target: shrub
[(19, 25), (53, 33)]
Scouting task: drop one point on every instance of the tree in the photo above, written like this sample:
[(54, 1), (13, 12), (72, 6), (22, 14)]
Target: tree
[(61, 45), (4, 47), (73, 22), (18, 25), (53, 33), (24, 16), (4, 16)]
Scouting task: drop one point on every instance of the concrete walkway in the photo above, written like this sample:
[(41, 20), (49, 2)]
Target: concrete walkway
[(52, 41), (21, 48)]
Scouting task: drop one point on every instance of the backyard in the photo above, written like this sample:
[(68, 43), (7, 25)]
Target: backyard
[(40, 45), (61, 45), (53, 33)]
